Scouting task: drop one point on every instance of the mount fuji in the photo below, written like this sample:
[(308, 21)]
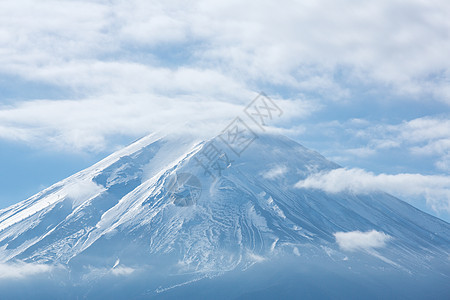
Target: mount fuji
[(153, 220)]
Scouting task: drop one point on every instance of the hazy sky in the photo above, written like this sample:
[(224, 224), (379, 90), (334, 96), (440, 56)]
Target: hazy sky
[(365, 83)]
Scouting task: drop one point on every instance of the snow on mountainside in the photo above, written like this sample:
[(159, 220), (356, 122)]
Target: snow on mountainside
[(126, 207)]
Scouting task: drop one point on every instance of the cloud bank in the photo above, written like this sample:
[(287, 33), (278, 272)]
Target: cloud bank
[(435, 188), (128, 68)]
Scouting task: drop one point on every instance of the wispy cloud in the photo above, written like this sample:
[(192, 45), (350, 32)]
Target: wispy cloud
[(427, 138)]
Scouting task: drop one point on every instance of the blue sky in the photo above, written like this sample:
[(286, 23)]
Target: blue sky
[(365, 84)]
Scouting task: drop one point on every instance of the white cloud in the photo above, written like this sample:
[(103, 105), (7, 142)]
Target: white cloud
[(88, 124), (425, 129), (22, 270), (441, 146), (367, 37), (414, 132), (80, 191), (435, 188), (381, 40), (122, 271), (444, 163), (223, 51), (361, 241), (275, 172), (426, 137)]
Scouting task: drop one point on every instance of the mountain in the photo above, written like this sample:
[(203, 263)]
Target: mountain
[(175, 213)]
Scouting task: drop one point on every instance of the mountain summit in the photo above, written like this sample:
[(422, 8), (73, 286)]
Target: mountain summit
[(190, 209)]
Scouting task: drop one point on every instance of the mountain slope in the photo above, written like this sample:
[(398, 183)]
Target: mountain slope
[(131, 207)]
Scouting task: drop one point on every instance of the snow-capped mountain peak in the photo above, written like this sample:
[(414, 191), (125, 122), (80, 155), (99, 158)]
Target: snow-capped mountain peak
[(192, 205)]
